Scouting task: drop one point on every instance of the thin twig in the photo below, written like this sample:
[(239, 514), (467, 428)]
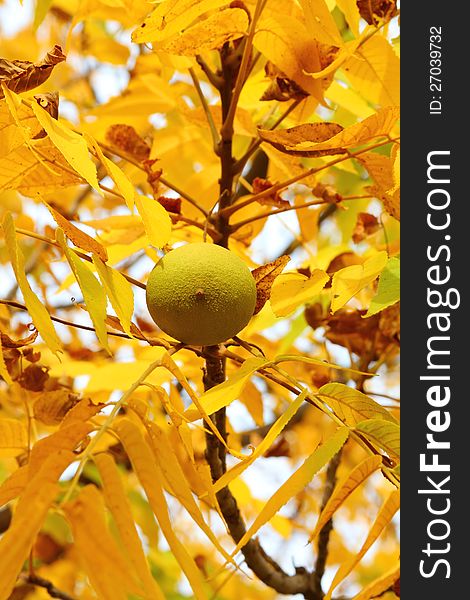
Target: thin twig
[(279, 186), (216, 81), (227, 127), (163, 180), (205, 107), (43, 238), (278, 211), (241, 162), (325, 532), (48, 586)]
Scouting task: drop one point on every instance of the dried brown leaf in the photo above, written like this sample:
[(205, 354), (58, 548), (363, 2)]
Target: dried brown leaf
[(76, 236), (23, 75), (327, 193), (281, 87), (377, 11), (260, 185), (128, 140), (172, 205), (8, 342), (366, 224), (284, 139), (264, 277), (114, 322)]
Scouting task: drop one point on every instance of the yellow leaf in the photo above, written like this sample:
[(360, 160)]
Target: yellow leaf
[(380, 585), (210, 34), (285, 41), (157, 222), (171, 17), (344, 489), (382, 171), (291, 290), (120, 508), (176, 479), (31, 510), (384, 434), (66, 438), (15, 127), (351, 405), (14, 485), (264, 277), (78, 237), (225, 393), (121, 180), (296, 482), (349, 99), (93, 293), (264, 445), (51, 406), (350, 280), (36, 309), (104, 563), (351, 14), (384, 516), (119, 292), (150, 477), (380, 124), (320, 23), (173, 368), (71, 145), (3, 368), (42, 171), (374, 70)]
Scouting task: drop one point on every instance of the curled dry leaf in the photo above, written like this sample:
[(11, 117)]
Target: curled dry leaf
[(264, 277), (281, 87), (260, 185), (77, 236), (171, 205), (49, 102), (153, 175), (285, 140), (23, 75), (377, 11), (114, 322), (327, 193), (8, 342), (366, 224), (128, 140), (50, 407)]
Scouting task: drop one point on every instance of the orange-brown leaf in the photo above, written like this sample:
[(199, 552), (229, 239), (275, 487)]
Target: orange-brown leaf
[(264, 277), (376, 11), (8, 342), (260, 185), (76, 236), (127, 139), (23, 75), (284, 139)]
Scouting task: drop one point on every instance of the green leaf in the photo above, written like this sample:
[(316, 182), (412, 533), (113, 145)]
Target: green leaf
[(388, 290)]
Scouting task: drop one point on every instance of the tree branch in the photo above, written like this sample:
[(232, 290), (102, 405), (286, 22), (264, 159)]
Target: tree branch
[(48, 586), (280, 186), (324, 536), (43, 238)]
